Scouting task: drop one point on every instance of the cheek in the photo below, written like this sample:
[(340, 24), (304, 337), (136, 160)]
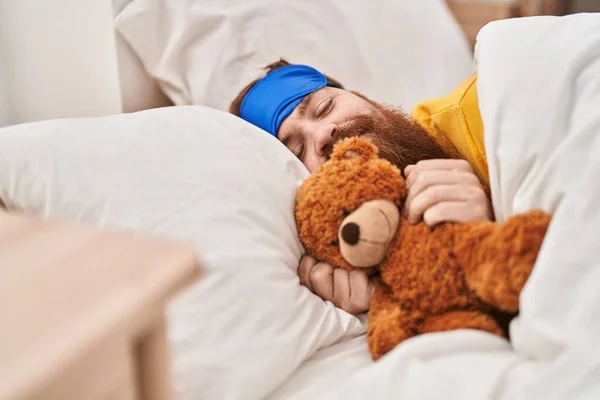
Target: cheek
[(311, 159), (283, 129), (311, 162), (352, 109)]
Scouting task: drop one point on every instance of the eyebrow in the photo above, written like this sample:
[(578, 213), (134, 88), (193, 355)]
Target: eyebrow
[(303, 106)]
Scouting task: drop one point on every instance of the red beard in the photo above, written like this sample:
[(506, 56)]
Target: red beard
[(401, 140)]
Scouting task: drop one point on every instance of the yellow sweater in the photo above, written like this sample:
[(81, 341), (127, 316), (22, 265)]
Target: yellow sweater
[(455, 122)]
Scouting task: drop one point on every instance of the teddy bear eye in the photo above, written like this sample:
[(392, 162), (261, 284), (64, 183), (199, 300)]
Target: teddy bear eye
[(335, 243), (345, 212)]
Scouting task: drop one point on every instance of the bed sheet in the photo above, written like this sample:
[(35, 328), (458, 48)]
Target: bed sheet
[(346, 371), (324, 369)]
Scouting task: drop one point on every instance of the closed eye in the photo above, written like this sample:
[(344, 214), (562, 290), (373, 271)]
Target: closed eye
[(325, 107)]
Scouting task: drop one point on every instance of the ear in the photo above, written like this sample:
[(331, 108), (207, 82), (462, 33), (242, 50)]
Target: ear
[(354, 147)]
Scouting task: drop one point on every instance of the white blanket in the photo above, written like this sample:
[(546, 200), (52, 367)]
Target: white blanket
[(539, 89)]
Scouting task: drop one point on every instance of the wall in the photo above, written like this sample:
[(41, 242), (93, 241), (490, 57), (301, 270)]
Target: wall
[(60, 58), (585, 6), (4, 106)]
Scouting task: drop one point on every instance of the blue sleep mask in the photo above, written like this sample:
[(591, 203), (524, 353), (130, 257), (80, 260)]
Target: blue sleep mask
[(274, 97)]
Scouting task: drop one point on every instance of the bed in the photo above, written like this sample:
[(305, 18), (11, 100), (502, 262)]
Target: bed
[(246, 329)]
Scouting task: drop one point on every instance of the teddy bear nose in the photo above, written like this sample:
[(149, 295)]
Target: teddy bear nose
[(351, 233)]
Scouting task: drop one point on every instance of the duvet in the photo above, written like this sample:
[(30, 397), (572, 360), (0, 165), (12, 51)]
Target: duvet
[(539, 92)]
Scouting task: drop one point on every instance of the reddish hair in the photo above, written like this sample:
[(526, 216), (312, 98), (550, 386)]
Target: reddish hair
[(400, 139)]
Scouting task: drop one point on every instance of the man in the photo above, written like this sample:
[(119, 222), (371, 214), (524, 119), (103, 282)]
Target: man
[(440, 151)]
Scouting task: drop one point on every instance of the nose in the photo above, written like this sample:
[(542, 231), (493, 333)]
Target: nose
[(324, 137), (351, 233)]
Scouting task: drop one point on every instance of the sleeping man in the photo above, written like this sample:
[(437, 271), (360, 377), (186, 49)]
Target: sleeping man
[(439, 149)]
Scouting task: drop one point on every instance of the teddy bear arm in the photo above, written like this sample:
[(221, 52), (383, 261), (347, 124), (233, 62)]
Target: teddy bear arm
[(389, 324), (498, 258)]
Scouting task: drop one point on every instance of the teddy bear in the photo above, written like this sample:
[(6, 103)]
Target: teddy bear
[(427, 279)]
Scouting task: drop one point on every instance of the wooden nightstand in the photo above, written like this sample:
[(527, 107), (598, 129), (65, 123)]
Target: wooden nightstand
[(472, 15), (82, 311), (545, 7)]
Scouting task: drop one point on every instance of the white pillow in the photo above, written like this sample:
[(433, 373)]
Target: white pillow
[(207, 177), (206, 51), (139, 91)]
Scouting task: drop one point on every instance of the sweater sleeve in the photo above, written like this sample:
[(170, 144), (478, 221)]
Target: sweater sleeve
[(455, 122)]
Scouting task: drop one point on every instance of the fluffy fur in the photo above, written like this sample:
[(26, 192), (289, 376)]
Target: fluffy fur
[(452, 276)]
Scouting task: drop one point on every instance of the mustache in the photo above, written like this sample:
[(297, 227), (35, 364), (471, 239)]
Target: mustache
[(360, 126)]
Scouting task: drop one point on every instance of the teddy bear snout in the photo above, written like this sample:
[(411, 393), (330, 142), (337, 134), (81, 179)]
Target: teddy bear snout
[(365, 234)]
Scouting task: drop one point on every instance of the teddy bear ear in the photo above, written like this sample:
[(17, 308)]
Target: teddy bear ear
[(354, 147)]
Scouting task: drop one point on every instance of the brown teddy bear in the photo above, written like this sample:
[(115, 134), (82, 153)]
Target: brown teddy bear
[(429, 279)]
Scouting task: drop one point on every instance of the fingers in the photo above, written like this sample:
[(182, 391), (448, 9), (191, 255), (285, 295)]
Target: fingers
[(316, 276), (341, 287), (306, 264), (452, 211), (349, 290), (432, 182), (359, 282), (352, 290), (433, 165), (322, 280), (361, 292), (444, 191), (421, 180), (437, 195)]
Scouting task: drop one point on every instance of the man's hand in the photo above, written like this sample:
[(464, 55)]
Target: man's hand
[(349, 290), (444, 191)]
